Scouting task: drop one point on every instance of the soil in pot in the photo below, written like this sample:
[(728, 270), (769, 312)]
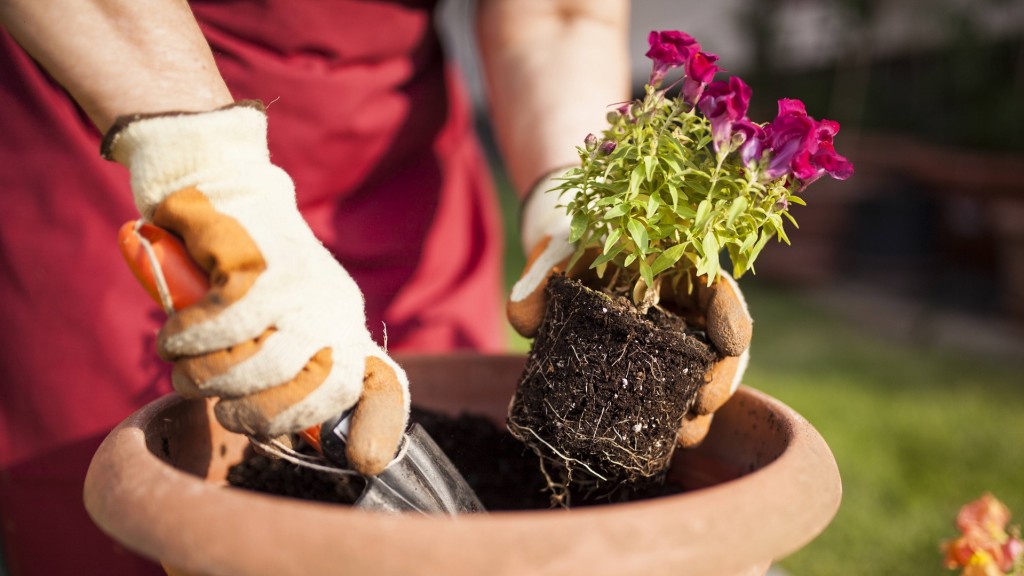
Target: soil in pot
[(604, 391), (502, 472)]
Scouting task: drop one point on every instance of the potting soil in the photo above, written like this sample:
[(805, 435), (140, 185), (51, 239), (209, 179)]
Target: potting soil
[(502, 472)]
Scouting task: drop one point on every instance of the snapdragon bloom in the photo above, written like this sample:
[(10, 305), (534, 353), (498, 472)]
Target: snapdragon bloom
[(748, 137), (669, 49), (700, 70), (802, 146), (725, 104), (984, 547)]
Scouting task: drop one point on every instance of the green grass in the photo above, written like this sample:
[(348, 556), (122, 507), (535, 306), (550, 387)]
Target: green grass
[(916, 433)]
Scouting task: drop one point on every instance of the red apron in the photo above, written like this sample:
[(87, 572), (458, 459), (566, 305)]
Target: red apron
[(375, 131)]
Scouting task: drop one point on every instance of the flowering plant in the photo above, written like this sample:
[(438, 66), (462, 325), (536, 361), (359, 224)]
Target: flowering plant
[(985, 547), (678, 177)]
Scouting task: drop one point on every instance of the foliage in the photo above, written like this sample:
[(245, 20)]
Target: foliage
[(676, 179)]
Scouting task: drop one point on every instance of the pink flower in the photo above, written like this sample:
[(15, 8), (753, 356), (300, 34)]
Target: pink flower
[(978, 549), (669, 49), (802, 146), (749, 139), (986, 512), (790, 137), (700, 69), (984, 547), (724, 104)]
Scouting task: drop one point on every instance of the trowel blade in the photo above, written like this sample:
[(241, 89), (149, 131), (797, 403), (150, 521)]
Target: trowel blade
[(420, 479)]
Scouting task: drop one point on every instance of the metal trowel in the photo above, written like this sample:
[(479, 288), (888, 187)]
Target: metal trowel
[(420, 478)]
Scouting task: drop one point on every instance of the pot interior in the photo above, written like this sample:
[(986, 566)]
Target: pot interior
[(745, 436)]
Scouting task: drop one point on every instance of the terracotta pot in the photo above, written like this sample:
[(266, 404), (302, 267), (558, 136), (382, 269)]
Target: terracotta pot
[(763, 484)]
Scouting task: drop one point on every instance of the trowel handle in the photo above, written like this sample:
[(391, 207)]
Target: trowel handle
[(160, 262)]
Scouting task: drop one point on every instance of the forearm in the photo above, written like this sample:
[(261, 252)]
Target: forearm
[(553, 70), (120, 56)]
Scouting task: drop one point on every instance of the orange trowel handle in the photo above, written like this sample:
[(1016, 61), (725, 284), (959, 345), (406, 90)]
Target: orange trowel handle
[(186, 282)]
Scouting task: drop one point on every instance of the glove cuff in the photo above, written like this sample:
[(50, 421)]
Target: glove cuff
[(171, 151), (544, 212)]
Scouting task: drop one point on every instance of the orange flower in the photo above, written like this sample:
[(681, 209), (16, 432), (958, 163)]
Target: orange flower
[(984, 547), (986, 512)]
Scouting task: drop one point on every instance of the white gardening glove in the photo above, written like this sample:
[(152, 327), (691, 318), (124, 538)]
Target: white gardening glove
[(720, 308), (544, 232), (281, 335)]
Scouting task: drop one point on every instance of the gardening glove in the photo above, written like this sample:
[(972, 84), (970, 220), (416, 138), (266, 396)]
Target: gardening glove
[(544, 227), (723, 312), (280, 337), (720, 308)]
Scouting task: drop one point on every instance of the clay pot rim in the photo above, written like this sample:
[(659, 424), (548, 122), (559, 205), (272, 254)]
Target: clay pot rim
[(799, 488)]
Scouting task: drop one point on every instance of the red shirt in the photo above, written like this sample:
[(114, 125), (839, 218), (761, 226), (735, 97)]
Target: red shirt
[(374, 128)]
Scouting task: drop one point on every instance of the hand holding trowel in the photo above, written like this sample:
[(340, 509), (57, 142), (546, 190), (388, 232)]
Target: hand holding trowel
[(278, 334)]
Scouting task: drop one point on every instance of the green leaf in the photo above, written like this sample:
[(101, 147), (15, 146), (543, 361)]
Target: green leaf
[(748, 241), (616, 211), (638, 233), (578, 226), (782, 235), (758, 246), (667, 259), (710, 245), (629, 260), (606, 257), (738, 205), (613, 237), (684, 211), (791, 219), (652, 206), (649, 162), (703, 211), (580, 250), (673, 192), (646, 273), (635, 179)]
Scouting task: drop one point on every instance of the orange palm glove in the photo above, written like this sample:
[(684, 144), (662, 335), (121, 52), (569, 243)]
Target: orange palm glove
[(280, 337), (720, 308)]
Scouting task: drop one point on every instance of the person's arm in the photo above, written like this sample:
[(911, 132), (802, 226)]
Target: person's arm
[(284, 353), (554, 68), (118, 57)]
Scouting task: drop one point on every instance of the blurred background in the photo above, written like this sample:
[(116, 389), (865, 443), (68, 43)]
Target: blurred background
[(895, 321)]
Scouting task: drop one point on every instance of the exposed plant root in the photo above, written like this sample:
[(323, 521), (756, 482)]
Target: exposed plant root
[(603, 392)]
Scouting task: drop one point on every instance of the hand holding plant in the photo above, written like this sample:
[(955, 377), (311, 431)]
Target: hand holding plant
[(647, 338)]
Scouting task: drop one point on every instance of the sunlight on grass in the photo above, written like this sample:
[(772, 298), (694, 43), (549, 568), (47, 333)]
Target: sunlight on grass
[(916, 433)]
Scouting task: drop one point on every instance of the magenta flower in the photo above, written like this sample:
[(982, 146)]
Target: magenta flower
[(724, 104), (749, 139), (802, 146), (789, 137), (828, 162), (669, 49), (700, 69)]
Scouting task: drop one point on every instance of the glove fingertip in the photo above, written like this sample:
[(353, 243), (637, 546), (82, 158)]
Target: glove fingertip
[(693, 430), (379, 420), (729, 324), (525, 315)]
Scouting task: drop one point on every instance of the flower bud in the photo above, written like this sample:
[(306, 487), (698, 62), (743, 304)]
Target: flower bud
[(590, 142), (608, 146)]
